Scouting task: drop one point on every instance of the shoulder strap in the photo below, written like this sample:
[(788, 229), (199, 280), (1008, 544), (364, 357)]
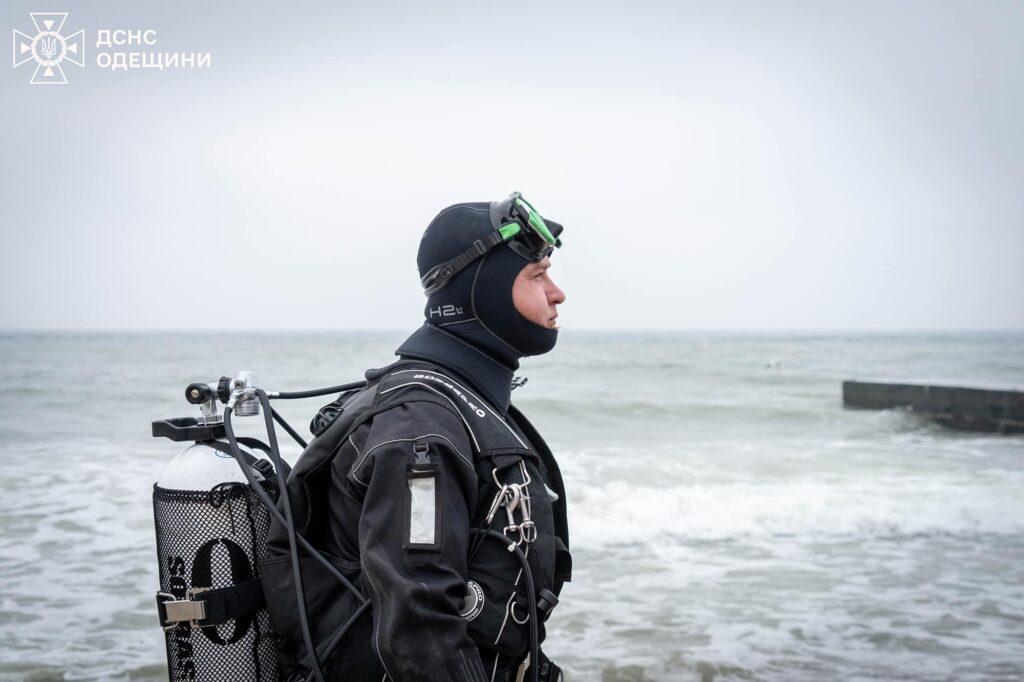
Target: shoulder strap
[(488, 432)]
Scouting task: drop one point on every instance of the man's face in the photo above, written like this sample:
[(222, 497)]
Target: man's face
[(535, 294)]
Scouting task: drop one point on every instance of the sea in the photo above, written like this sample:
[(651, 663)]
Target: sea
[(729, 519)]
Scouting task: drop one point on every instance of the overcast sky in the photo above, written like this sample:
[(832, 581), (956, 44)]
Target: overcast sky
[(718, 165)]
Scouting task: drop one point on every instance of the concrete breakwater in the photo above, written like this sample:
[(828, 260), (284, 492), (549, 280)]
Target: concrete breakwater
[(992, 409)]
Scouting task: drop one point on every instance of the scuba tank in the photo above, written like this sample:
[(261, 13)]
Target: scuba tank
[(211, 530), (212, 508)]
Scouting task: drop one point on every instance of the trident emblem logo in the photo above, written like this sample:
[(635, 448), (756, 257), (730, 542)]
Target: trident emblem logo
[(49, 48)]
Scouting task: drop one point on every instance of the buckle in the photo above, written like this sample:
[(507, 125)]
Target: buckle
[(265, 468), (174, 611)]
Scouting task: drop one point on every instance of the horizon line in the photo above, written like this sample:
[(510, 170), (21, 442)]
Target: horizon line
[(634, 330)]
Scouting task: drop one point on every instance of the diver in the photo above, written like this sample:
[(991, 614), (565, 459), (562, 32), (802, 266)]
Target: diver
[(428, 489)]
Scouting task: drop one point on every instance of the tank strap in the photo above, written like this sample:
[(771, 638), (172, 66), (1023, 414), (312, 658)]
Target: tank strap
[(263, 466), (203, 607)]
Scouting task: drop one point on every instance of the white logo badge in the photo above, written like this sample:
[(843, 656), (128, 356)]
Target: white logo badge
[(473, 602), (49, 48)]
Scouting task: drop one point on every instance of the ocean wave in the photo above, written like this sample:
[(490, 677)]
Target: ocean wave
[(623, 408), (618, 512)]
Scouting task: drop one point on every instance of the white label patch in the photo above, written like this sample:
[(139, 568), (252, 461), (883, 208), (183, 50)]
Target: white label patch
[(421, 510)]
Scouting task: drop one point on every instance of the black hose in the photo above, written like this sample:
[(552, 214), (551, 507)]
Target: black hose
[(293, 537), (325, 650), (265, 499), (293, 551), (288, 427), (532, 599), (295, 395), (300, 596)]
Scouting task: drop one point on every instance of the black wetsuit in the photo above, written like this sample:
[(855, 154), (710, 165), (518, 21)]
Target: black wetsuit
[(411, 562)]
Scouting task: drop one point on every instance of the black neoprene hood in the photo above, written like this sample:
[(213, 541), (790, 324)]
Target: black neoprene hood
[(476, 304)]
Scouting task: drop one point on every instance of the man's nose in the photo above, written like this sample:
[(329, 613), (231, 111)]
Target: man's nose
[(556, 296)]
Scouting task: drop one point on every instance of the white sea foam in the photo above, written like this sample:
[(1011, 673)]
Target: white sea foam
[(618, 512)]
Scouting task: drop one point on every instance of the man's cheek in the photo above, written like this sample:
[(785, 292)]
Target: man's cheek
[(540, 302)]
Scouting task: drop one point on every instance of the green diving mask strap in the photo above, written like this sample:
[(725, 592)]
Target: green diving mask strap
[(517, 223)]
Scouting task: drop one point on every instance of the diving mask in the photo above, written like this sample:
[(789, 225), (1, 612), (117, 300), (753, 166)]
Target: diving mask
[(516, 223)]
